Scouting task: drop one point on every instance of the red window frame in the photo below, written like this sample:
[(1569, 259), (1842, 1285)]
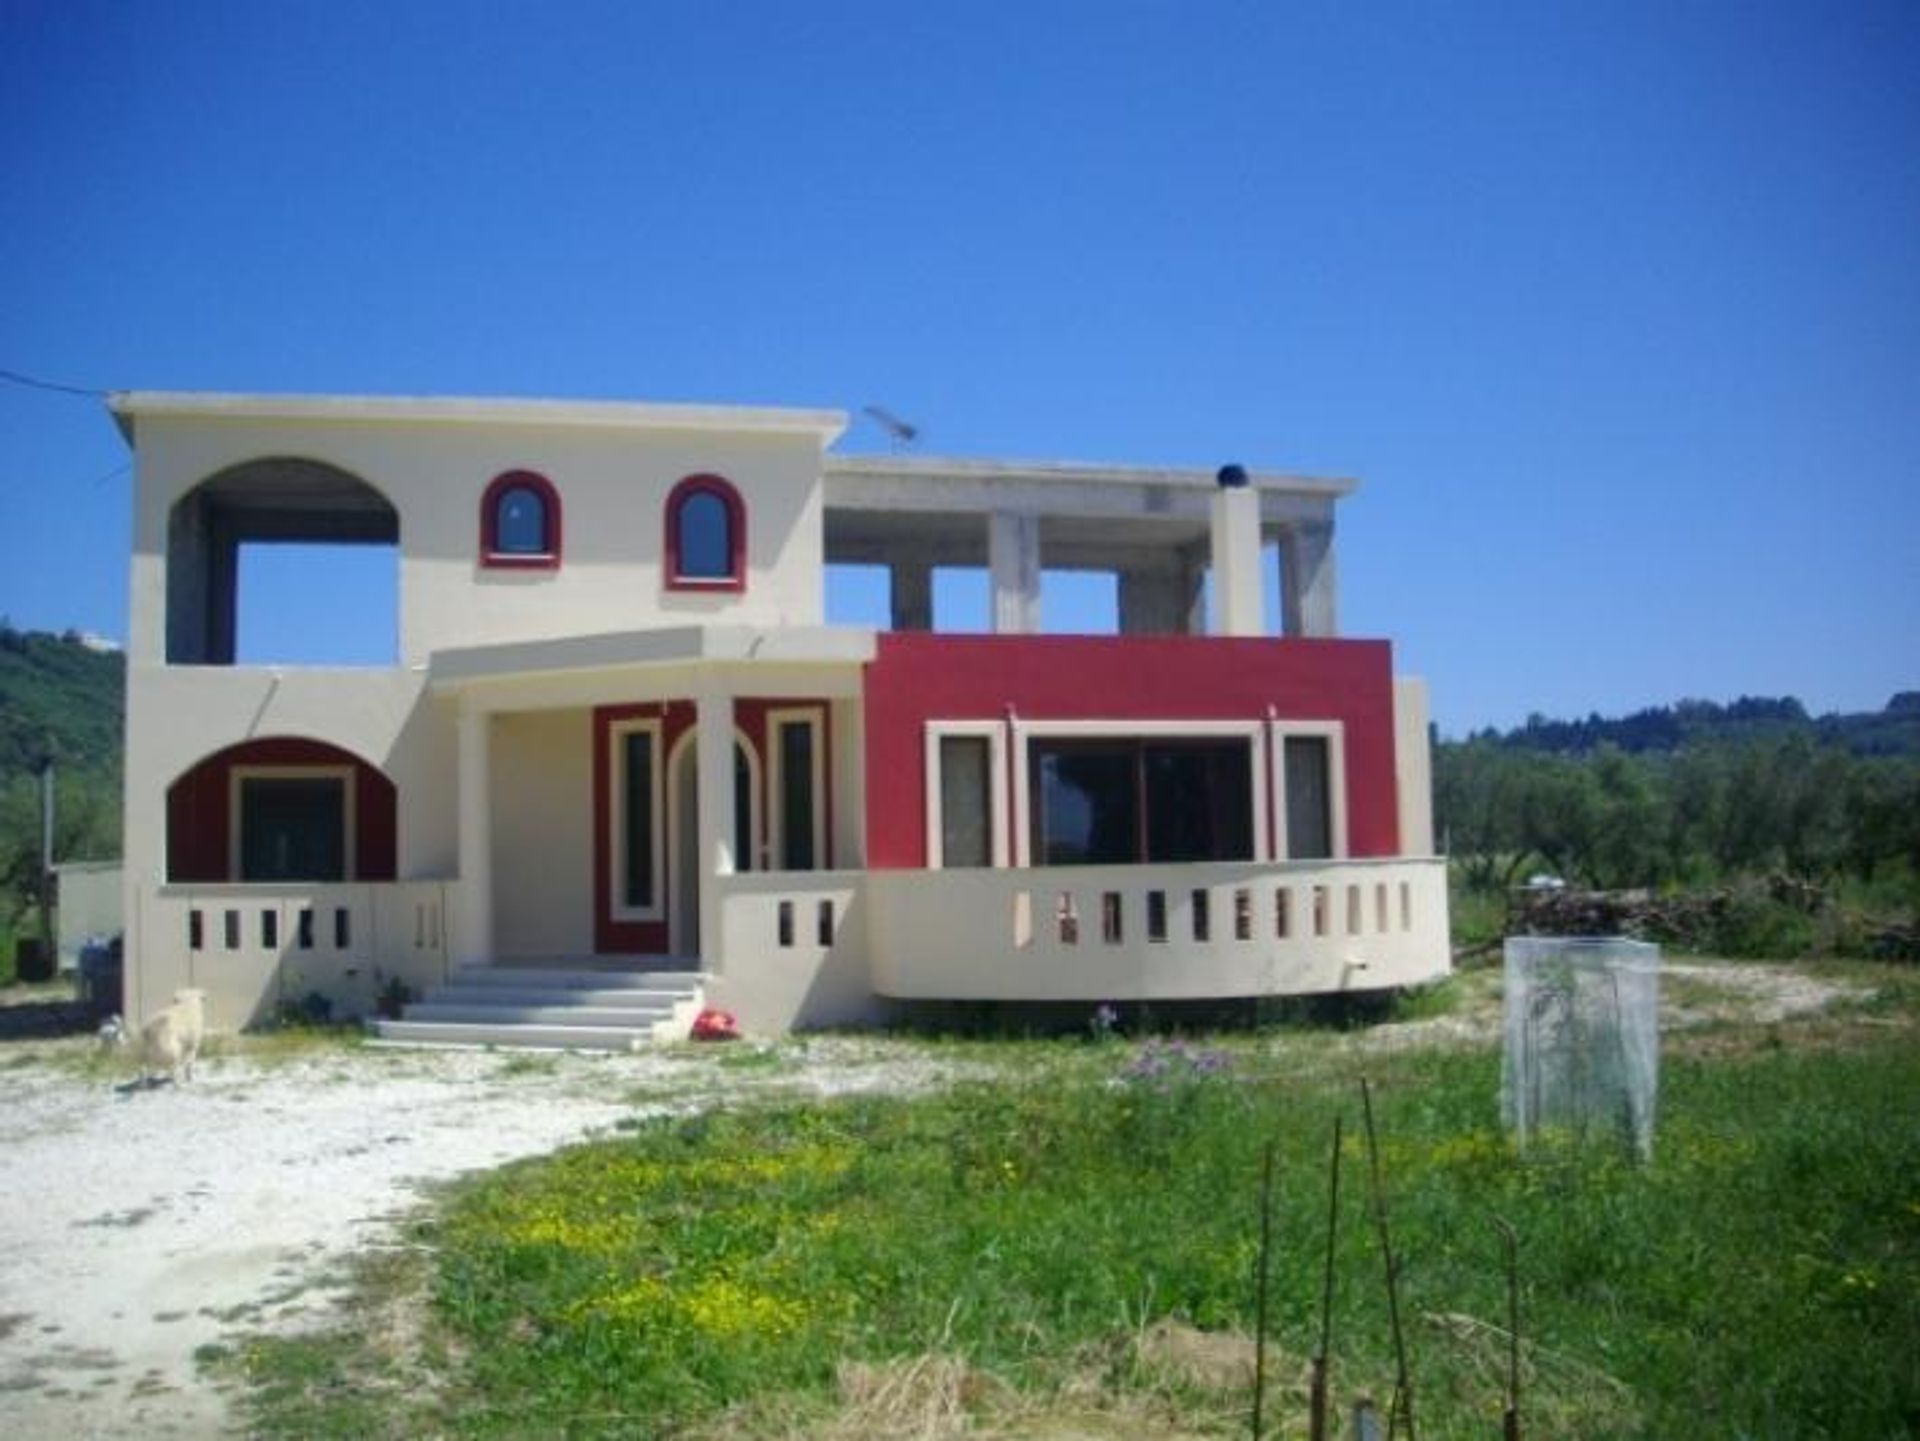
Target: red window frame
[(718, 486), (491, 556)]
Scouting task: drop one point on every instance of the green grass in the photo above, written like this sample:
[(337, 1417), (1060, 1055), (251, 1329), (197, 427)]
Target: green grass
[(1479, 917), (1760, 1279)]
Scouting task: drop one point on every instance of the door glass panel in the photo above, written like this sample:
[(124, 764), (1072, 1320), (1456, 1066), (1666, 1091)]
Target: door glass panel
[(1199, 801), (636, 816), (796, 796), (742, 809), (966, 808), (1309, 799), (1088, 804), (293, 828)]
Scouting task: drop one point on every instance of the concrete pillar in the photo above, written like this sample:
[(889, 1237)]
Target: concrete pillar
[(713, 789), (1308, 582), (474, 926), (1194, 585), (1235, 548), (910, 591), (1013, 559), (1157, 600)]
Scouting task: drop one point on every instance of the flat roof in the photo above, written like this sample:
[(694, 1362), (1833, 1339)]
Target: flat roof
[(128, 406)]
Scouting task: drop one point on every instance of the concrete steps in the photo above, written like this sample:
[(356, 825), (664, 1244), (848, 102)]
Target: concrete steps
[(549, 1006)]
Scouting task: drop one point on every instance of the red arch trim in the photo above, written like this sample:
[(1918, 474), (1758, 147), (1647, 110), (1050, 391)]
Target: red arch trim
[(199, 836), (722, 489), (491, 555)]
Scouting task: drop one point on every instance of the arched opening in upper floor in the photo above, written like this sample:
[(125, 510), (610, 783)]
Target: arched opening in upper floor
[(316, 551)]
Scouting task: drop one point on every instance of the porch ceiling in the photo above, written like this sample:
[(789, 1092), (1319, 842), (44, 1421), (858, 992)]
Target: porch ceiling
[(673, 646)]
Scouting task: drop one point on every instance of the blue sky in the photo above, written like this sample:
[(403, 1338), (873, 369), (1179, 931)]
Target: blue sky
[(1614, 309)]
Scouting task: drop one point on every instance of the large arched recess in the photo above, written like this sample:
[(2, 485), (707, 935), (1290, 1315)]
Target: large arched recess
[(274, 498), (270, 780)]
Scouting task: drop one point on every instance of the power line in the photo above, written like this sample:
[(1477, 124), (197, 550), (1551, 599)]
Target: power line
[(14, 377)]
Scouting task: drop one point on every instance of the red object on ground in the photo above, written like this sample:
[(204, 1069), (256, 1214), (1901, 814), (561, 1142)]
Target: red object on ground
[(713, 1025)]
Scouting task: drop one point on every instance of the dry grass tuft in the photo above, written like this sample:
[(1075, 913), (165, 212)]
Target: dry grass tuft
[(917, 1398), (1211, 1360), (1186, 1385), (1559, 1396)]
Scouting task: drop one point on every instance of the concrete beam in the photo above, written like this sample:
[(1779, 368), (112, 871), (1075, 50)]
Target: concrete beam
[(928, 483)]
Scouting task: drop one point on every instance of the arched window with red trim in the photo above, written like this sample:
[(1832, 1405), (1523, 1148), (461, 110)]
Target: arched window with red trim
[(520, 522), (706, 541)]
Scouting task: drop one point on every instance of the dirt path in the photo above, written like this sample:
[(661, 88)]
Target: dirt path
[(139, 1225)]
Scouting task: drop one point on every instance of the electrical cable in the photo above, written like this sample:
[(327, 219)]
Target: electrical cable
[(14, 377)]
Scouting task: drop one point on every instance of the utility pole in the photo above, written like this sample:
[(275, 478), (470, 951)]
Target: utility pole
[(48, 959)]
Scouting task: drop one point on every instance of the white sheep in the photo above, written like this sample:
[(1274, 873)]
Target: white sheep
[(170, 1040)]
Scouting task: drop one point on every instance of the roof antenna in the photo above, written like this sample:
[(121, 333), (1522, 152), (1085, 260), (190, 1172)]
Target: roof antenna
[(902, 434)]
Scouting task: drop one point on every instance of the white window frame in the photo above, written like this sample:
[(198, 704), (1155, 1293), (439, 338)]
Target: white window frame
[(236, 782), (995, 734), (814, 718), (1141, 730), (617, 733), (1334, 733)]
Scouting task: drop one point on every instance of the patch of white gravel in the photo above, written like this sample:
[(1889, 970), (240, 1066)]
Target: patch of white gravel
[(139, 1225), (1761, 995), (1750, 993)]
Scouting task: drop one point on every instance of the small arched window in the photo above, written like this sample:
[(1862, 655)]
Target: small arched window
[(706, 542), (520, 522)]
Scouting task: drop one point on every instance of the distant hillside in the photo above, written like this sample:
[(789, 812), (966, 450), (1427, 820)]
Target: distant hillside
[(1893, 731), (63, 698), (59, 696)]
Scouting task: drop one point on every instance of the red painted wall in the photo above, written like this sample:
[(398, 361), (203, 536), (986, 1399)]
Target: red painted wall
[(641, 938), (916, 677), (199, 818)]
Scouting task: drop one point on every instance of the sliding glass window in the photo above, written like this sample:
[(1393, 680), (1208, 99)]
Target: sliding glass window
[(1147, 800)]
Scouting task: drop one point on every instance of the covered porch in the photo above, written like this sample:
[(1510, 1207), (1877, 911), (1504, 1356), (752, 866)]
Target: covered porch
[(607, 789)]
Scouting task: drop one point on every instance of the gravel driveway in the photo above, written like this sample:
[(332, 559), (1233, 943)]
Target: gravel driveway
[(137, 1225)]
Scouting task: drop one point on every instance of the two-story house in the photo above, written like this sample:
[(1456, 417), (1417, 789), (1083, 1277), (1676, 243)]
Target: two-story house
[(620, 741)]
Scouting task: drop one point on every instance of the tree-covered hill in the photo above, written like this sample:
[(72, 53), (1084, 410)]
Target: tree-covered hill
[(1693, 795), (59, 697), (65, 700), (1892, 731)]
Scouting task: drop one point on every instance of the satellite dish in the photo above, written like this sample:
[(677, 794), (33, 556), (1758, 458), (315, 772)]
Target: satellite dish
[(900, 432)]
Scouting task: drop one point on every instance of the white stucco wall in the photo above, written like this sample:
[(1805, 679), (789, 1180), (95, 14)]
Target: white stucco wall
[(178, 716), (543, 833), (613, 482), (1413, 766)]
